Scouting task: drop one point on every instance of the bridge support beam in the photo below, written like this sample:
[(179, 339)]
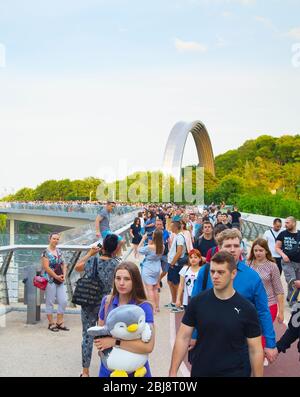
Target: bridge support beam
[(12, 232)]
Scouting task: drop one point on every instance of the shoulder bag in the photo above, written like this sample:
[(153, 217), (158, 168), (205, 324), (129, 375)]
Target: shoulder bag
[(89, 289)]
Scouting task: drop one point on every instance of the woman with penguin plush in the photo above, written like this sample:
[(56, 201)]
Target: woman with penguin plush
[(128, 289)]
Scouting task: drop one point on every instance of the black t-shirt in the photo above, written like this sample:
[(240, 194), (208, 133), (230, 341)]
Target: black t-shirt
[(235, 215), (289, 243), (204, 245), (223, 328)]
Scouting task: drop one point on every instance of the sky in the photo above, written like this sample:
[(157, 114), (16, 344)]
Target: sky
[(94, 87)]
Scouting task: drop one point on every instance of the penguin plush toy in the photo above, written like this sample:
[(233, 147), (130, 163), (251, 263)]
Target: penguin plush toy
[(126, 322)]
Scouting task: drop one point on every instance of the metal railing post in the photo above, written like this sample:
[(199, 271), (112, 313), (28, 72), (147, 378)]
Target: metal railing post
[(4, 296), (33, 297), (73, 261)]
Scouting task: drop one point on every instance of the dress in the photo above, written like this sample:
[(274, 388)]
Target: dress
[(151, 266), (136, 231)]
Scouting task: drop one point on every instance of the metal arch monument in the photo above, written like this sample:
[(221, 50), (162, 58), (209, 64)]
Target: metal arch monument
[(173, 155)]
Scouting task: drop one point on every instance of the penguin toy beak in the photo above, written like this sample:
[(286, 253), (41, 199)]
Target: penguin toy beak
[(132, 328)]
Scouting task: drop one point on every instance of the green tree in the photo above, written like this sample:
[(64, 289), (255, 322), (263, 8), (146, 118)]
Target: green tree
[(47, 191), (229, 189), (25, 194)]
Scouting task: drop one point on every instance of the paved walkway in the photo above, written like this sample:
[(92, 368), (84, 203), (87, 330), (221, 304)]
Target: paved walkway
[(32, 350)]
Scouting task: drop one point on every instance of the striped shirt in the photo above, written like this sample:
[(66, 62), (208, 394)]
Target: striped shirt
[(270, 276)]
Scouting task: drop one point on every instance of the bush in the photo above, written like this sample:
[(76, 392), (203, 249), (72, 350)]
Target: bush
[(270, 205)]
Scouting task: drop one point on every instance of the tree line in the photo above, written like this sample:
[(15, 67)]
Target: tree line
[(262, 176)]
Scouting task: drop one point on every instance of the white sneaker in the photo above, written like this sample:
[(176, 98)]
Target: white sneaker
[(177, 310), (170, 306), (266, 362)]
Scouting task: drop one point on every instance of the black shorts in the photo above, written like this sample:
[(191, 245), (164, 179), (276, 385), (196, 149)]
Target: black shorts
[(173, 274)]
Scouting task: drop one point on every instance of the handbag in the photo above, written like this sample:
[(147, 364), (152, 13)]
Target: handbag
[(89, 289), (59, 271), (40, 282)]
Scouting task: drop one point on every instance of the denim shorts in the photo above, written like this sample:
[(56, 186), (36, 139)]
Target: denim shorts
[(173, 274), (164, 264)]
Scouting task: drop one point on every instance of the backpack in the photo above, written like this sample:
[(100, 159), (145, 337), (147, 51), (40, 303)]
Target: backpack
[(89, 290)]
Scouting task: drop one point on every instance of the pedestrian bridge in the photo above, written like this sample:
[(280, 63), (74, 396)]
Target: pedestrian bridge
[(69, 216), (21, 328)]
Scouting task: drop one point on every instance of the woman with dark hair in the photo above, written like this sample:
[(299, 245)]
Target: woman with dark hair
[(106, 264), (55, 271), (260, 259), (135, 233), (152, 265), (127, 289)]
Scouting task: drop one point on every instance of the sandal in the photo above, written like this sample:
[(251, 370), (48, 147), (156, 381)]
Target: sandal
[(59, 327), (52, 327)]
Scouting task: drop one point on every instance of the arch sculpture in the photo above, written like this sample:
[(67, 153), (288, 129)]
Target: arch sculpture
[(173, 155)]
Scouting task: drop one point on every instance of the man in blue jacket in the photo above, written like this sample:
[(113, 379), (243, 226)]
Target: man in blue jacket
[(248, 284)]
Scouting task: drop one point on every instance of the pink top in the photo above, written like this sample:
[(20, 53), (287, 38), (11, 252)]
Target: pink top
[(270, 276)]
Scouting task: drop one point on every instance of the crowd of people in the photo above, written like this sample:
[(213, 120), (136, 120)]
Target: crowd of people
[(229, 295)]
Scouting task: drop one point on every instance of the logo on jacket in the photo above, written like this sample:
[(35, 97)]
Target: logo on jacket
[(237, 310)]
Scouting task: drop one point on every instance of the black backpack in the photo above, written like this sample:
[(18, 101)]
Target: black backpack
[(89, 291)]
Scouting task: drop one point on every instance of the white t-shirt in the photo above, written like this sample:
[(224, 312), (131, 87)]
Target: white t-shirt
[(271, 241), (177, 240), (142, 222), (194, 228), (189, 279)]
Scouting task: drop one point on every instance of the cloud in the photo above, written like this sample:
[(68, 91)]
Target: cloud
[(191, 46), (294, 33), (266, 22)]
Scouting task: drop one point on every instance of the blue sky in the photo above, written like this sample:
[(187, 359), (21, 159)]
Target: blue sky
[(88, 83), (87, 35)]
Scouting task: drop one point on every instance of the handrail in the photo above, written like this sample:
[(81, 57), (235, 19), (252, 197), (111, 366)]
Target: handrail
[(76, 250)]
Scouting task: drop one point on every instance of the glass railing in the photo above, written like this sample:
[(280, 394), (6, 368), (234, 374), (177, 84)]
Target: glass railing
[(71, 241)]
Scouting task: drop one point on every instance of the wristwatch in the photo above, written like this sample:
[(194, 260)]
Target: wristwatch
[(118, 343)]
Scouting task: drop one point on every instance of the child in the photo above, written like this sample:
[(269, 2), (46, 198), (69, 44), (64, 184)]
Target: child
[(188, 275)]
